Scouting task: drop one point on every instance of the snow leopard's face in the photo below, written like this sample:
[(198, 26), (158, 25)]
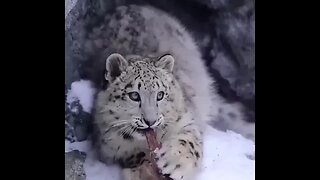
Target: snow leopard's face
[(141, 94)]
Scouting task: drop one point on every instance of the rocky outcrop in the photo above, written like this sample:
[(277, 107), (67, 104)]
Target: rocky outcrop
[(74, 169)]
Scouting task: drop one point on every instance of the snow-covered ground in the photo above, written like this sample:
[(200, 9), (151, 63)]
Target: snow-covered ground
[(227, 155)]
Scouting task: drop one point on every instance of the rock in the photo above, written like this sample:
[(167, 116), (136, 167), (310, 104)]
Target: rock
[(236, 31), (77, 122), (74, 169)]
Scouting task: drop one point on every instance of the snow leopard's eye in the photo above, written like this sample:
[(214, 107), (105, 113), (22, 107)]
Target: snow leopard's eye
[(160, 95), (134, 96)]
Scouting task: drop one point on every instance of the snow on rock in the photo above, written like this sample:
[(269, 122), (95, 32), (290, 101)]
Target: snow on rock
[(83, 146), (84, 92), (68, 5)]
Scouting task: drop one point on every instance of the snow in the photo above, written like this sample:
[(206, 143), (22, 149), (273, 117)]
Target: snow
[(94, 169), (68, 5), (84, 92), (227, 156), (83, 146)]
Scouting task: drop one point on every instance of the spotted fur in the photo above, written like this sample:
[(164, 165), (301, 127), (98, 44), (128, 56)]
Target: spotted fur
[(158, 81)]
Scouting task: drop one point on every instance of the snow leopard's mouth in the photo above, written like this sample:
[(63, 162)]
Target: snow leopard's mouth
[(143, 131)]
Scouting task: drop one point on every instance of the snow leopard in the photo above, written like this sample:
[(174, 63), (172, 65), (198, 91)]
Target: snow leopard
[(156, 79)]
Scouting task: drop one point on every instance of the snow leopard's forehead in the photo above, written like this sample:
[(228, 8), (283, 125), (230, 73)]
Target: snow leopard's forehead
[(141, 61), (145, 76)]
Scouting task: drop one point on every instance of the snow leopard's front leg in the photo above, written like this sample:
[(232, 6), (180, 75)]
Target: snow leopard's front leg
[(181, 153)]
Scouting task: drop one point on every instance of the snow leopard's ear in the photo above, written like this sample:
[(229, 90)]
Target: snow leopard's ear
[(115, 64), (166, 62)]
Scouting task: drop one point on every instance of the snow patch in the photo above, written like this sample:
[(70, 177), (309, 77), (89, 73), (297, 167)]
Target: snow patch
[(84, 92)]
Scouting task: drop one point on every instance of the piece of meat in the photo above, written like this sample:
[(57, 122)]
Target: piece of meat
[(152, 140), (154, 144)]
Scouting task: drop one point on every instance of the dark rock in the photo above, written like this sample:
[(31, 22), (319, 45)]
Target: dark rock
[(74, 169), (77, 122)]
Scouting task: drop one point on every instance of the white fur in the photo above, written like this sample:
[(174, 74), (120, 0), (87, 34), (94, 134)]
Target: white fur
[(195, 99)]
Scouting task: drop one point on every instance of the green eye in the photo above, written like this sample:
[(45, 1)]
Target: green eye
[(160, 95), (134, 96)]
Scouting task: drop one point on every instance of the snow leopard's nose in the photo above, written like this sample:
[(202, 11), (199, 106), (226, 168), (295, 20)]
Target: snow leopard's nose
[(149, 122)]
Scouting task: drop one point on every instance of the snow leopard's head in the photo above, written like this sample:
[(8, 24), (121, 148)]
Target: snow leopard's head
[(142, 94)]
